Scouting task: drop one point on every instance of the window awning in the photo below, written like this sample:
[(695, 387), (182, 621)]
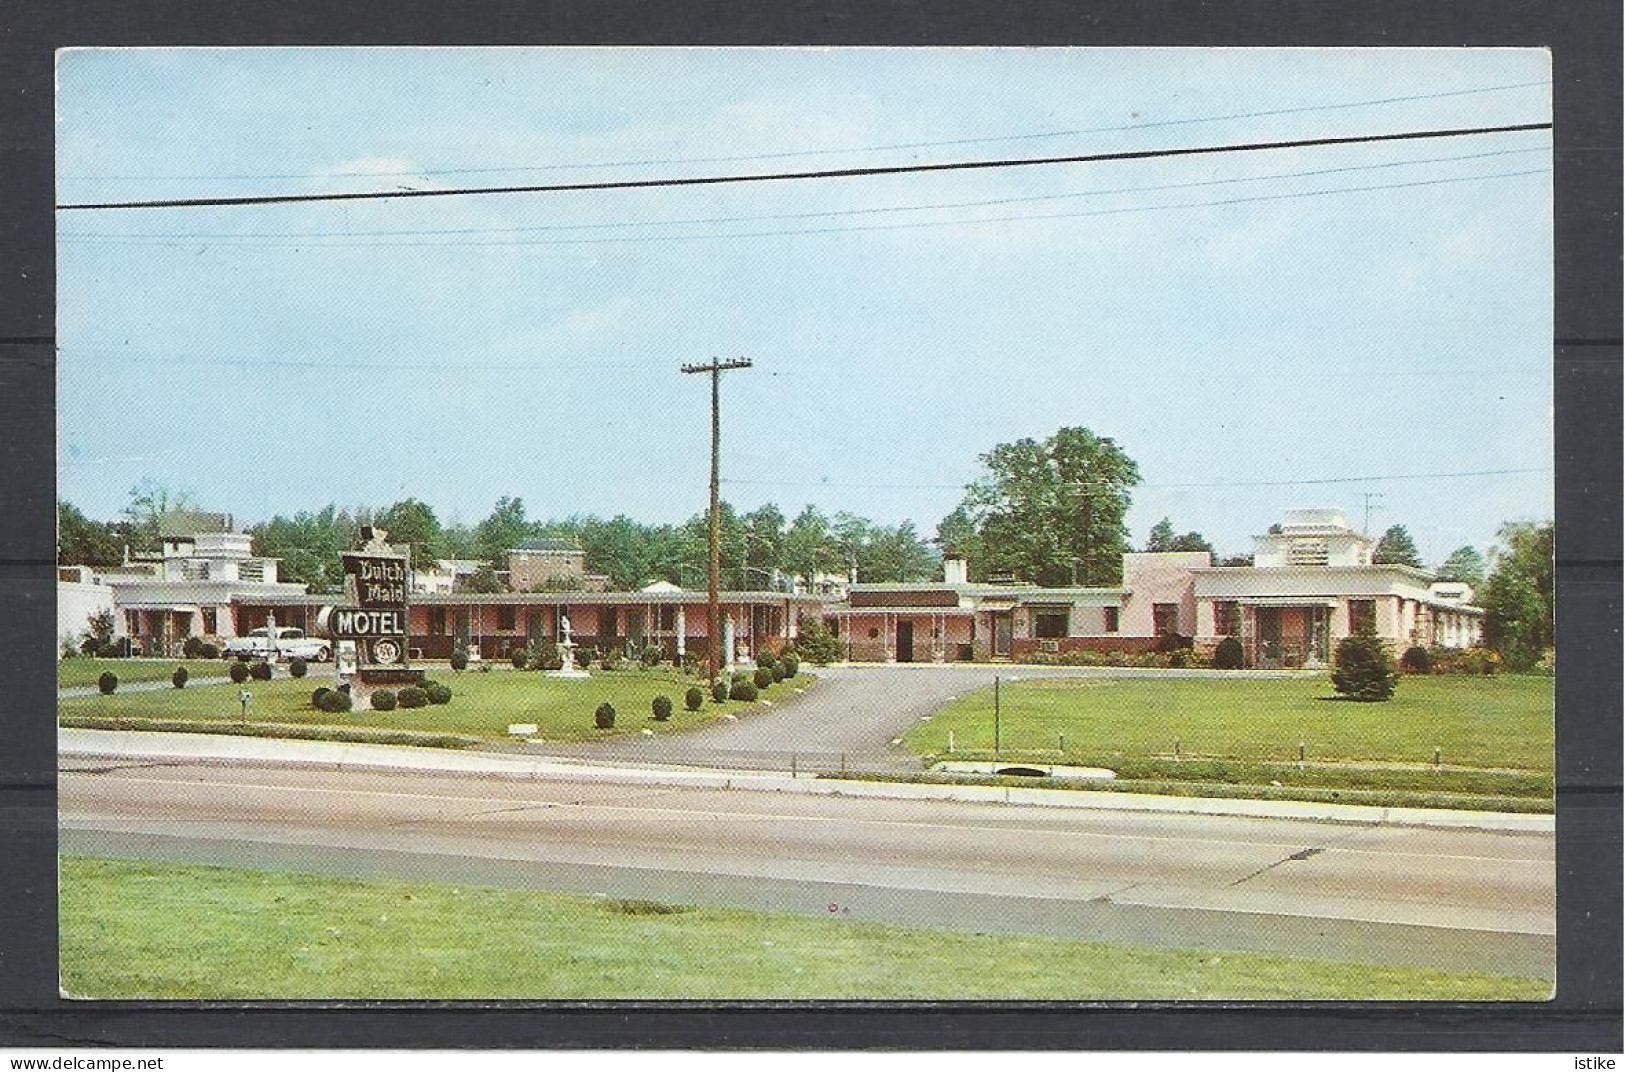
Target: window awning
[(1286, 601)]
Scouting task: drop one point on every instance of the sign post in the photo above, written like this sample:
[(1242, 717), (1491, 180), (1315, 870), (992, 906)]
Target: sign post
[(373, 622)]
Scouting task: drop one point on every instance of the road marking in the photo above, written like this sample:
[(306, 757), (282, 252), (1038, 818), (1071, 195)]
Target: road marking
[(772, 817)]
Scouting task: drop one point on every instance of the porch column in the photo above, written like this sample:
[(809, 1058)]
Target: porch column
[(682, 634), (888, 636), (939, 641), (728, 642)]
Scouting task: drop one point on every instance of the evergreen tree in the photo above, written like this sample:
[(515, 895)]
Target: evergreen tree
[(1396, 548), (1362, 668)]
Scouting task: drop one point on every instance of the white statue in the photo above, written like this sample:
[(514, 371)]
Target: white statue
[(564, 627)]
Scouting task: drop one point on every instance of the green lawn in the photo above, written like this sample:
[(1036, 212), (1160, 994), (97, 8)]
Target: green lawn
[(84, 671), (1249, 731), (482, 704), (138, 930)]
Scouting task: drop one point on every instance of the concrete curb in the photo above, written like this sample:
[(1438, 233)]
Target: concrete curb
[(207, 749)]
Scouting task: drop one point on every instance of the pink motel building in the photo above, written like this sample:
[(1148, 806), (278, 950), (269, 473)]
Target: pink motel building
[(1311, 584), (498, 624)]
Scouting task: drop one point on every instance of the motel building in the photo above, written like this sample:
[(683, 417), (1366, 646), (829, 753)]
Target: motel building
[(496, 625), (1312, 583)]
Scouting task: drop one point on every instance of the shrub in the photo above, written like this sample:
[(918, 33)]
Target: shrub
[(610, 661), (791, 664), (209, 651), (1416, 660), (521, 659), (719, 692), (604, 716), (1174, 642), (437, 693), (192, 647), (316, 695), (336, 703), (178, 678), (766, 658), (763, 677), (459, 658), (239, 673), (779, 671), (297, 668), (1178, 659), (107, 682), (743, 690), (694, 697), (660, 708), (260, 671), (816, 643), (651, 656), (1229, 655), (383, 700), (91, 645), (1362, 668), (413, 696)]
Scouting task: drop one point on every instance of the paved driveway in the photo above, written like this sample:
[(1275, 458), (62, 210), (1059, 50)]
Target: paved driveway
[(850, 717)]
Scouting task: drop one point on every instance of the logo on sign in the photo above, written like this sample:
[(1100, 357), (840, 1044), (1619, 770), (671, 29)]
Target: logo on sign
[(360, 623)]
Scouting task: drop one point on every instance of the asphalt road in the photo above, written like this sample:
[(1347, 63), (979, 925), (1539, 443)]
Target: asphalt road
[(1467, 900)]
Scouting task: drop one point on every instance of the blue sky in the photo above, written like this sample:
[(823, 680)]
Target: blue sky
[(1240, 322)]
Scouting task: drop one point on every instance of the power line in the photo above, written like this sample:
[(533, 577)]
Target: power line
[(348, 236), (833, 173), (649, 239), (1297, 110), (1210, 484)]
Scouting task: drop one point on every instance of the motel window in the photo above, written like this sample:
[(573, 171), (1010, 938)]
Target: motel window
[(1227, 618), (507, 618), (1164, 618), (437, 620), (1362, 615), (1111, 619), (1049, 625)]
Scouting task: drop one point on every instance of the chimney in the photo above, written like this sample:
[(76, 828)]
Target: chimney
[(953, 569)]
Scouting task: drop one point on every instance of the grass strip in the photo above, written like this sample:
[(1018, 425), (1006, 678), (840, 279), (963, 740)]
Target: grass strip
[(142, 930), (345, 734)]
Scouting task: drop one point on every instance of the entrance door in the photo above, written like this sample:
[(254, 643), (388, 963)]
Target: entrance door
[(1001, 634), (1269, 638), (905, 642)]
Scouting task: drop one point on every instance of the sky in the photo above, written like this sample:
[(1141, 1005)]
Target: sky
[(1325, 326)]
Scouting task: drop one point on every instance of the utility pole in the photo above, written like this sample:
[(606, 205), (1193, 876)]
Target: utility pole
[(713, 619)]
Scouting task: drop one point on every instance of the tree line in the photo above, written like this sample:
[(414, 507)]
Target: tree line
[(1045, 511)]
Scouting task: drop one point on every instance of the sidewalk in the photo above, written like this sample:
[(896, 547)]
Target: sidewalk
[(213, 748)]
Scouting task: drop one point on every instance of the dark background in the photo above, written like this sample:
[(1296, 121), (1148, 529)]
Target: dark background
[(1584, 36)]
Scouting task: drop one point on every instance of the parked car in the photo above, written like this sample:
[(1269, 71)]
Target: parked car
[(291, 643)]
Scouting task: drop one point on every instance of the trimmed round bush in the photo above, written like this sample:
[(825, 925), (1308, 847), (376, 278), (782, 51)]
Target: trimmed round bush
[(413, 696), (209, 651), (791, 663), (779, 671), (178, 678), (192, 647), (383, 700), (719, 692), (660, 708), (239, 673), (107, 683), (1416, 660), (316, 695), (336, 703), (90, 646), (437, 693), (604, 716), (694, 698), (297, 668), (766, 658), (260, 671), (1174, 642), (1229, 655), (459, 660), (743, 690), (519, 659), (763, 677)]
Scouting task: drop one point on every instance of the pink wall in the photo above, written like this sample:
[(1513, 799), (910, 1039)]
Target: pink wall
[(1160, 577)]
